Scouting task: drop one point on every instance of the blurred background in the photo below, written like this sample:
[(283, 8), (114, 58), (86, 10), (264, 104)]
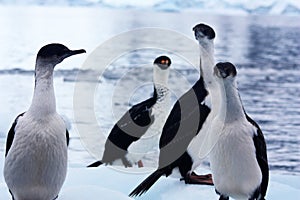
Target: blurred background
[(260, 37)]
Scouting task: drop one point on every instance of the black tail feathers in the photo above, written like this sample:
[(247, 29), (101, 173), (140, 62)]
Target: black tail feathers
[(95, 164), (147, 183)]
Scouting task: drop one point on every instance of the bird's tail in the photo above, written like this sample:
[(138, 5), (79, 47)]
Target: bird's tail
[(95, 164), (147, 183)]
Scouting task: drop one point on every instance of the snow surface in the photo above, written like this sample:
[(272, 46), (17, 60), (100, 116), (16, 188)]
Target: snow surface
[(109, 183), (213, 6)]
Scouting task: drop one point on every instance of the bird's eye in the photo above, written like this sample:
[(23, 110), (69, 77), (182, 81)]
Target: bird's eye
[(162, 62)]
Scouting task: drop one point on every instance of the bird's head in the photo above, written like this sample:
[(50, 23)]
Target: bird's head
[(161, 70), (202, 31), (55, 53), (225, 70), (163, 62)]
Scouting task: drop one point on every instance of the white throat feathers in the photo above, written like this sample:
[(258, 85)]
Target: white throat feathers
[(160, 79), (231, 108), (43, 102)]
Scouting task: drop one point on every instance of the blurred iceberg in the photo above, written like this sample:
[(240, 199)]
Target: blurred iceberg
[(274, 7)]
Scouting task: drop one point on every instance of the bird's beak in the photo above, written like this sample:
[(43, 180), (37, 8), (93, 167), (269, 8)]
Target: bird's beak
[(74, 52), (221, 72), (79, 51), (163, 67)]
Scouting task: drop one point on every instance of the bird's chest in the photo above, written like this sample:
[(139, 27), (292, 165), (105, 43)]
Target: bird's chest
[(230, 149), (38, 154), (160, 112), (40, 140), (233, 162)]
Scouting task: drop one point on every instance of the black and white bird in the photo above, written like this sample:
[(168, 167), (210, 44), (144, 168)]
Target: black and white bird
[(198, 148), (182, 126), (36, 147), (238, 157), (138, 130), (239, 161)]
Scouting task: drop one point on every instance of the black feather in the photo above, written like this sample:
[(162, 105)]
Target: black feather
[(183, 124), (95, 164), (262, 159), (147, 183), (11, 134), (132, 126), (68, 137)]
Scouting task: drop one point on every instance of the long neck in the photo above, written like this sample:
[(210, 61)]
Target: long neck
[(43, 102), (160, 79), (231, 108), (207, 63)]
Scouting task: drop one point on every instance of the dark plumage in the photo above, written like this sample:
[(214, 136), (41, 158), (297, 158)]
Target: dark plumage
[(132, 126), (134, 123), (11, 134), (262, 159), (183, 123)]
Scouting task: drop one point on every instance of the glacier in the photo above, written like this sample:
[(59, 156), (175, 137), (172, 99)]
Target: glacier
[(267, 7)]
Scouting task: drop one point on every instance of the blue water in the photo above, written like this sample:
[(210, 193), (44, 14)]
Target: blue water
[(266, 51)]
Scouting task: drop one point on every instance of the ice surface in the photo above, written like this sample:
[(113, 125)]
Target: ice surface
[(116, 183)]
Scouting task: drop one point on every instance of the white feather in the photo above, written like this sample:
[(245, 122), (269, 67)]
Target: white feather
[(235, 170)]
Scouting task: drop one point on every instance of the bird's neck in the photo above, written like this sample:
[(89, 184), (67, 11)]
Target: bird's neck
[(161, 91), (207, 63), (160, 79), (231, 108), (43, 102)]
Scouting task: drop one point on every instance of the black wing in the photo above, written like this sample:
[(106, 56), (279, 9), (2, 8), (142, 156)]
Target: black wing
[(68, 137), (11, 134), (184, 122), (184, 109), (261, 156), (132, 126)]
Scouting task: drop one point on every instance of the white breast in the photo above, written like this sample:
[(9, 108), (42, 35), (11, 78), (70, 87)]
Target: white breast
[(201, 145), (235, 170), (36, 164)]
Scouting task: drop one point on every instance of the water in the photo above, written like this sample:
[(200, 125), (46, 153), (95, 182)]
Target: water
[(266, 51)]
